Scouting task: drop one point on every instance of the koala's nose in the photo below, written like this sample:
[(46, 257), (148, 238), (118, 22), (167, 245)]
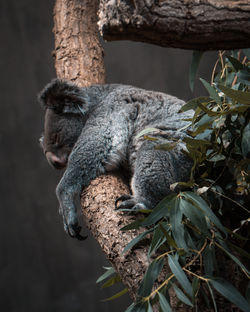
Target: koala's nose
[(55, 161)]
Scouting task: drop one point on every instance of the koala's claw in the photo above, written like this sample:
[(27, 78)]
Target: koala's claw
[(73, 230), (122, 198), (128, 203)]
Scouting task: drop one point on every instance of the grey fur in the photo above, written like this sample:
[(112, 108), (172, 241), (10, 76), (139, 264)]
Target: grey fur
[(102, 122)]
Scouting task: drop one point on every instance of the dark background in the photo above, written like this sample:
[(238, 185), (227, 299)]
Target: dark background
[(41, 268)]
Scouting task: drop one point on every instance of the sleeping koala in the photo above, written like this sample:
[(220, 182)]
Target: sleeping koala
[(92, 131)]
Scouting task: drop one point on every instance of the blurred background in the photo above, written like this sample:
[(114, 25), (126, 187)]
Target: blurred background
[(41, 268)]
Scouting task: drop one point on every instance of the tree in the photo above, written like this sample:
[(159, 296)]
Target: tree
[(79, 57)]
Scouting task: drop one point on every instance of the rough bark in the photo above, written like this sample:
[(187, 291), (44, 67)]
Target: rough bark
[(79, 58), (188, 24), (78, 53)]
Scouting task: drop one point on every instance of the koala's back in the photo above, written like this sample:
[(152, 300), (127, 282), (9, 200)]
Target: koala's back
[(135, 109), (154, 109)]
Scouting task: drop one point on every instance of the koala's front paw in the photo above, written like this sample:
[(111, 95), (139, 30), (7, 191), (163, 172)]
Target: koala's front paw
[(70, 224), (129, 203)]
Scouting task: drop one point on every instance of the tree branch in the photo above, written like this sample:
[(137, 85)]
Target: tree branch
[(188, 24)]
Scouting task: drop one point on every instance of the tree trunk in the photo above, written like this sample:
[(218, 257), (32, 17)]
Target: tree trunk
[(187, 24), (79, 58)]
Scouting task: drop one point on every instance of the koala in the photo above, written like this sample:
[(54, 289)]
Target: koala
[(94, 130)]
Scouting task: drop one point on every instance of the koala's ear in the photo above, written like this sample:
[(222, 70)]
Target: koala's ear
[(63, 97)]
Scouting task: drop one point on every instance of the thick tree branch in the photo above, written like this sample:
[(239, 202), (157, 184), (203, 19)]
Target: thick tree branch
[(188, 24), (79, 58)]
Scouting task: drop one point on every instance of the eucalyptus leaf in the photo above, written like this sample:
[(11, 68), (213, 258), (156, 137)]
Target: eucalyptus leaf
[(212, 296), (247, 53), (201, 204), (161, 210), (149, 309), (150, 277), (193, 104), (164, 304), (209, 260), (237, 65), (245, 142), (146, 131), (112, 281), (230, 293), (157, 240), (177, 226), (212, 92), (195, 287), (196, 216), (119, 294), (180, 294), (179, 274), (244, 76), (196, 57), (105, 275), (166, 146), (133, 225), (136, 240), (139, 307), (239, 96)]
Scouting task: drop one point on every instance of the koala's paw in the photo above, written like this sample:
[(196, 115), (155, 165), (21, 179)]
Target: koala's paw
[(129, 203), (71, 226)]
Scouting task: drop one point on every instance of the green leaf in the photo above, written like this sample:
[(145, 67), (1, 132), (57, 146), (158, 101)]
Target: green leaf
[(212, 296), (230, 293), (236, 260), (245, 142), (237, 65), (136, 240), (166, 146), (130, 308), (179, 274), (165, 306), (212, 92), (209, 260), (133, 225), (244, 76), (217, 157), (196, 143), (247, 53), (119, 294), (195, 287), (157, 240), (105, 275), (139, 307), (169, 239), (180, 294), (239, 96), (201, 204), (193, 104), (112, 281), (149, 307), (150, 276), (146, 131), (196, 57), (177, 226), (196, 216), (160, 211)]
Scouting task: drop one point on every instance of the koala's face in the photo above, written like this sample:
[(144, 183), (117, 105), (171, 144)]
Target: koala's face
[(60, 134)]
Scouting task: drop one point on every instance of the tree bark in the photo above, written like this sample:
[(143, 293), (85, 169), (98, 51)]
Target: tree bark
[(79, 58), (78, 53), (187, 24)]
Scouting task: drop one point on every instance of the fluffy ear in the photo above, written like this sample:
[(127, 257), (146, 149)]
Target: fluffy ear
[(63, 97)]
